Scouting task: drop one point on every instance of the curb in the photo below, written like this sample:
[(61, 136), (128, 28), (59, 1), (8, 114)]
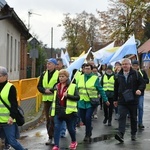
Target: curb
[(32, 122)]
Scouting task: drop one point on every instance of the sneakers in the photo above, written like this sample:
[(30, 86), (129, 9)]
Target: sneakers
[(95, 116), (7, 147), (50, 142), (73, 145), (133, 137), (119, 137), (105, 121), (87, 139), (141, 126), (55, 148)]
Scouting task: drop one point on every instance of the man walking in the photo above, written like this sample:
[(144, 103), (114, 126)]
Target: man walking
[(45, 86), (8, 127), (128, 86)]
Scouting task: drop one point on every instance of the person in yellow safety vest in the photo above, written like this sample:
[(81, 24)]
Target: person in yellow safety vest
[(135, 66), (45, 86), (8, 127), (107, 82), (95, 71), (76, 75), (89, 87), (65, 98)]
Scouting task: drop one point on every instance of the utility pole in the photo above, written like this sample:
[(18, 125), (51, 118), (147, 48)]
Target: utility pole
[(51, 41), (33, 58)]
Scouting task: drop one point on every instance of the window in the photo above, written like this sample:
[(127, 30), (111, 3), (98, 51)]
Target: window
[(11, 53), (7, 53), (15, 57)]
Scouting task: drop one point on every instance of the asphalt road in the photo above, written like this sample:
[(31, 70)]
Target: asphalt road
[(102, 138)]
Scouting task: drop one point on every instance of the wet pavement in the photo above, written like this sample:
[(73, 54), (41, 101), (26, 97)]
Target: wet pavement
[(102, 137)]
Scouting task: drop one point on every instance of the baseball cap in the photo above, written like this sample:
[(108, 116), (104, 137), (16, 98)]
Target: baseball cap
[(52, 60)]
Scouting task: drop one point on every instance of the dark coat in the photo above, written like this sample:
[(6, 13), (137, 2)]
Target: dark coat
[(145, 78), (134, 82)]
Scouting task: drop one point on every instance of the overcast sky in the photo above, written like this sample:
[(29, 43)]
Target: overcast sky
[(49, 13)]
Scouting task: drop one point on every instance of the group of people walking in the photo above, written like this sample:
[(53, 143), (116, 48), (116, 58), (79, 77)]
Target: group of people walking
[(67, 100), (121, 89)]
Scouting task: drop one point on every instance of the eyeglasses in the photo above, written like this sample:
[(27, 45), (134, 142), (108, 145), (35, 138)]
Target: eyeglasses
[(126, 64), (87, 68)]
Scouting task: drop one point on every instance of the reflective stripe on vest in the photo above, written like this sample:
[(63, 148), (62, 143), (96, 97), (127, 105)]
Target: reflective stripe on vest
[(140, 72), (71, 106), (4, 112), (108, 84), (89, 88), (49, 84)]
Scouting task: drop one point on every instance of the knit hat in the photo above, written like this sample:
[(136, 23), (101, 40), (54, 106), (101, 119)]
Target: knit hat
[(110, 67), (52, 60), (135, 62)]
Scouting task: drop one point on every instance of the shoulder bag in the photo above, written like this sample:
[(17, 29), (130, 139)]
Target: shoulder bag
[(94, 101), (20, 119)]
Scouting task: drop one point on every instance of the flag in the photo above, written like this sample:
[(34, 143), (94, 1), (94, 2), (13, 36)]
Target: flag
[(100, 54), (67, 56), (65, 61), (78, 62), (75, 58), (129, 47), (109, 54)]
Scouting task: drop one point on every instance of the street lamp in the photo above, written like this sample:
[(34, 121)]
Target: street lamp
[(29, 15)]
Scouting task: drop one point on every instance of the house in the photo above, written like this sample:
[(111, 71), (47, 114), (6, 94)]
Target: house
[(144, 52), (13, 42)]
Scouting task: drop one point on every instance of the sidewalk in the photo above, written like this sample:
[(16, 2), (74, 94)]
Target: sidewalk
[(32, 120)]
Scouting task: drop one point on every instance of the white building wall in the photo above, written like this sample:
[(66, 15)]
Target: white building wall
[(8, 56)]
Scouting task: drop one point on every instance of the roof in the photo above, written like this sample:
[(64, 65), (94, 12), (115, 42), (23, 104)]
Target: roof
[(145, 48), (9, 13), (2, 3)]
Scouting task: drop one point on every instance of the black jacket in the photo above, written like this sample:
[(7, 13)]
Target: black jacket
[(134, 82), (145, 78), (40, 87)]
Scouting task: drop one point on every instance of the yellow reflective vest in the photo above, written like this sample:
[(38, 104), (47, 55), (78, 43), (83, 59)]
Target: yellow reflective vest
[(87, 87), (4, 112), (71, 106), (49, 85), (77, 76), (108, 84)]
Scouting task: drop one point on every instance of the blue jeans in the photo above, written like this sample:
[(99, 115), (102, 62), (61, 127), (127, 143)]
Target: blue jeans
[(70, 126), (63, 129), (140, 109), (86, 117), (123, 110), (11, 134)]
